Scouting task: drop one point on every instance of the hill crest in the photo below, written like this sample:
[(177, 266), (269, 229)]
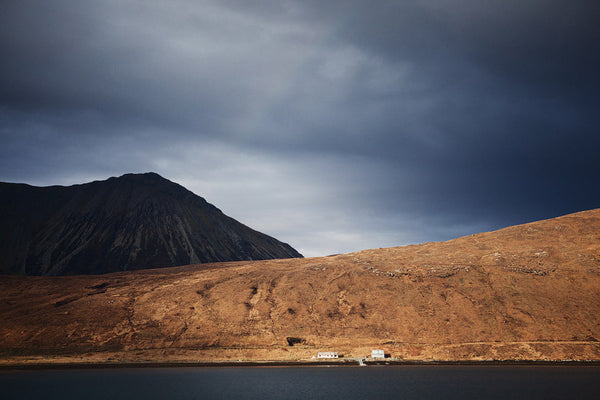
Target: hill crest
[(529, 292)]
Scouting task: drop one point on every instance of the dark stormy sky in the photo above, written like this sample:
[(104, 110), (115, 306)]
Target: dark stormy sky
[(333, 125)]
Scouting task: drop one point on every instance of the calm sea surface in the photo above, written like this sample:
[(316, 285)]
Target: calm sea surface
[(347, 383)]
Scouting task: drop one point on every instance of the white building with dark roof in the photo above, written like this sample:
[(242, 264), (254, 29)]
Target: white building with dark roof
[(327, 354)]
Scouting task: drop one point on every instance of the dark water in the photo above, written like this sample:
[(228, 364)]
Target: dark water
[(348, 383)]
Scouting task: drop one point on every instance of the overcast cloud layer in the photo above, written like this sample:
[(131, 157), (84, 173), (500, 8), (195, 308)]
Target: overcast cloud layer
[(332, 125)]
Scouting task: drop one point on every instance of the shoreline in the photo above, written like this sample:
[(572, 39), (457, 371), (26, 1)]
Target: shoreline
[(295, 363)]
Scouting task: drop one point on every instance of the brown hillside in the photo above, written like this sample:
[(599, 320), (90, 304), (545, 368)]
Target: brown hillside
[(525, 292)]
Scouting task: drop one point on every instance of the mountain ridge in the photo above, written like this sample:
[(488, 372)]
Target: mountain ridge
[(127, 222)]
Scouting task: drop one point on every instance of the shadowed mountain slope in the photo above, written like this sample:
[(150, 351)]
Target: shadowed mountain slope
[(126, 223), (527, 292)]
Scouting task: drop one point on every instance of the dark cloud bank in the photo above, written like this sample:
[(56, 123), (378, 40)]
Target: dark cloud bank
[(334, 126)]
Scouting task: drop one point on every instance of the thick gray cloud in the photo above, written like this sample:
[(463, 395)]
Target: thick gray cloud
[(335, 126)]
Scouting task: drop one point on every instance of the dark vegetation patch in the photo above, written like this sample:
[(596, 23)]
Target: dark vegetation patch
[(97, 292), (99, 286), (294, 340), (65, 301), (205, 288)]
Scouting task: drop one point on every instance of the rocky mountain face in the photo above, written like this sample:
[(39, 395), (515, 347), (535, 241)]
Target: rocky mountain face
[(132, 222)]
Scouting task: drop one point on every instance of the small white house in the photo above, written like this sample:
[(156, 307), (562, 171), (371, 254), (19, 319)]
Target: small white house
[(377, 354), (327, 354)]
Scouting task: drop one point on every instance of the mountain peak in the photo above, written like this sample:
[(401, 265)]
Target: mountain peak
[(133, 221), (143, 176)]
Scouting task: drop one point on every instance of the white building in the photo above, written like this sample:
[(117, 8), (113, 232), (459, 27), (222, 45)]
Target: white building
[(327, 354), (377, 354)]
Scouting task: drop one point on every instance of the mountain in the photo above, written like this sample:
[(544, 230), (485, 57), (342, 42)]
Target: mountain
[(527, 292), (131, 222)]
